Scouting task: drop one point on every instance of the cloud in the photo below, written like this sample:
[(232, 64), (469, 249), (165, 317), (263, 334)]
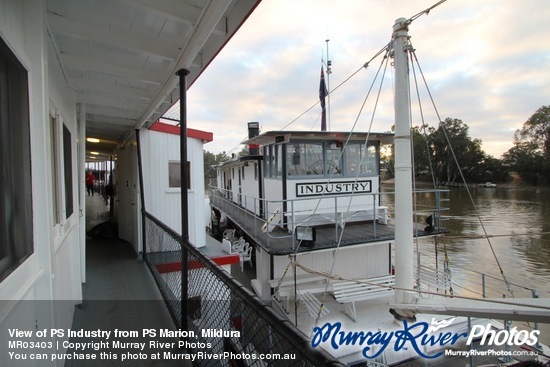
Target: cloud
[(486, 63)]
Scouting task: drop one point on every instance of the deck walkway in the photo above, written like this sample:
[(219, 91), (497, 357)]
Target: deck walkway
[(119, 293), (280, 242)]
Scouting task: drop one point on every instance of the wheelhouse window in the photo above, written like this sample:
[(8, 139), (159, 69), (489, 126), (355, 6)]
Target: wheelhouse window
[(330, 159), (360, 159), (273, 161), (279, 161), (334, 159), (304, 159), (16, 226)]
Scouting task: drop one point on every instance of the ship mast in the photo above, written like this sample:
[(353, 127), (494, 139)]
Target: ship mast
[(404, 274), (329, 71), (407, 304)]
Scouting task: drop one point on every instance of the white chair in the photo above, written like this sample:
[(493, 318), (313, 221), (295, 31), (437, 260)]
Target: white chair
[(226, 246), (246, 255), (238, 245), (229, 234)]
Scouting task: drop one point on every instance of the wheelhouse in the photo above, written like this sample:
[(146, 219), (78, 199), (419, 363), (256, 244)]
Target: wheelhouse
[(306, 178)]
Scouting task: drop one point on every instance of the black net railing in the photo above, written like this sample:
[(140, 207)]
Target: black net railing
[(224, 317)]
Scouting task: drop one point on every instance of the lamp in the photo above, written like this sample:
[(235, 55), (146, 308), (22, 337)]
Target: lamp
[(306, 235)]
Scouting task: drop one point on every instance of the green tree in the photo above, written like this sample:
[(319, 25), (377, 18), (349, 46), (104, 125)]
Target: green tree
[(493, 170), (451, 139), (537, 131), (211, 160), (435, 150), (421, 152), (530, 155), (526, 160)]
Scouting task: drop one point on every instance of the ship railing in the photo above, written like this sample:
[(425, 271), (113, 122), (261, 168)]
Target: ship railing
[(276, 219), (475, 282), (200, 296), (465, 281)]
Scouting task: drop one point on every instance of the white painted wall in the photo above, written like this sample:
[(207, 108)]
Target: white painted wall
[(250, 189), (159, 148), (274, 207), (263, 273), (53, 271), (129, 222), (352, 262)]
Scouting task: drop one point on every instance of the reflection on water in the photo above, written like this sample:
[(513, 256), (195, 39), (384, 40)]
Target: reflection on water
[(514, 220), (517, 223)]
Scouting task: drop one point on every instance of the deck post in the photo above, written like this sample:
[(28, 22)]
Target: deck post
[(141, 197), (182, 73), (404, 272), (82, 188)]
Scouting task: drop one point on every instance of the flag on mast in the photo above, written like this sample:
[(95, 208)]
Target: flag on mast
[(323, 92)]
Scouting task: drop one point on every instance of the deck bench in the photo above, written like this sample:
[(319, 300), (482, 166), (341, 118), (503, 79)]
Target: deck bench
[(300, 278), (305, 283), (349, 292), (313, 305)]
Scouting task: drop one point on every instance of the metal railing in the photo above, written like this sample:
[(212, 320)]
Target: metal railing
[(261, 215), (215, 301)]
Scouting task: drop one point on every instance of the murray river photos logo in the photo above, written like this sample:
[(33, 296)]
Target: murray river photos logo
[(418, 336)]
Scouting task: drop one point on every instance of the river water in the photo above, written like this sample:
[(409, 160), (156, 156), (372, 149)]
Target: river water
[(517, 222)]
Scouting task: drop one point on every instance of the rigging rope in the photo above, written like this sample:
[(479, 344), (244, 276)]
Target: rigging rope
[(349, 137), (421, 110), (476, 211), (425, 136), (386, 49), (426, 11), (365, 66), (330, 274), (384, 63)]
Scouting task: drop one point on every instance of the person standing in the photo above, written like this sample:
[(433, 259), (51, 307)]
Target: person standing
[(90, 183)]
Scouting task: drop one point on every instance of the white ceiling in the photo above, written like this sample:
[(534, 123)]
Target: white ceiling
[(121, 56)]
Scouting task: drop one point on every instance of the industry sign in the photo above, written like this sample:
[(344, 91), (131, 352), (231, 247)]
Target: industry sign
[(333, 188)]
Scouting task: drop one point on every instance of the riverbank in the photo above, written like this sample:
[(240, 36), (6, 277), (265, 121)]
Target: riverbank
[(515, 183)]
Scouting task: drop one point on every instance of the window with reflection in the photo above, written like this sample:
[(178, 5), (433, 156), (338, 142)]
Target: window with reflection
[(267, 162), (334, 159), (16, 215), (361, 159), (174, 175), (271, 159), (279, 161), (305, 159)]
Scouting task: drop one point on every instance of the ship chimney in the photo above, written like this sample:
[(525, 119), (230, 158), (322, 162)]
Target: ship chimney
[(253, 131)]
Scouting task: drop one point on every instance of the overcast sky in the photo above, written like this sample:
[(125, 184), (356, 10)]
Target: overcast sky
[(486, 63)]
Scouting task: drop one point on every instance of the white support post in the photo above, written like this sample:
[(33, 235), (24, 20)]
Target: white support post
[(82, 188), (404, 272)]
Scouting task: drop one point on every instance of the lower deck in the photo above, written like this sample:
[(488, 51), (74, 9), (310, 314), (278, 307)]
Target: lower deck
[(279, 240)]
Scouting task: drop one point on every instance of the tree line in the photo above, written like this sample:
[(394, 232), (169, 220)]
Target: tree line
[(445, 153)]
